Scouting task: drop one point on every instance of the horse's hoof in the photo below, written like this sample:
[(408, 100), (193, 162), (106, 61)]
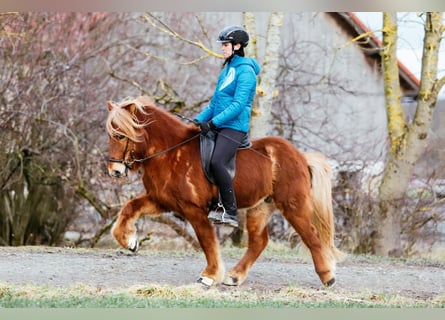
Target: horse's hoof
[(205, 281), (330, 283), (133, 249), (230, 281), (133, 244)]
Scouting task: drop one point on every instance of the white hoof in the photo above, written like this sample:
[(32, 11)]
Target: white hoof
[(205, 281), (133, 243)]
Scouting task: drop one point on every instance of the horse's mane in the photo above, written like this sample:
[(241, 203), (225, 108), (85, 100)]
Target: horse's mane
[(121, 121)]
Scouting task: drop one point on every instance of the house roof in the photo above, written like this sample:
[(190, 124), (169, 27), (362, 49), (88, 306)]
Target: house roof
[(371, 47)]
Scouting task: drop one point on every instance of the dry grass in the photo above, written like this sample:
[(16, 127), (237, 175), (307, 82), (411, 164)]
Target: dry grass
[(197, 295)]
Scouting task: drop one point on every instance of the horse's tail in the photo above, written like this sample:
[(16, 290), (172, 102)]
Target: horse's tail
[(323, 213)]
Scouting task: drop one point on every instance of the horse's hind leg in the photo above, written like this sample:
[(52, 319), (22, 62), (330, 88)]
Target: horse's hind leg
[(124, 230), (258, 237), (300, 219), (205, 232)]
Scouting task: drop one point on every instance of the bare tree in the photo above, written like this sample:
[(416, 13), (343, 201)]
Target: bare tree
[(406, 141)]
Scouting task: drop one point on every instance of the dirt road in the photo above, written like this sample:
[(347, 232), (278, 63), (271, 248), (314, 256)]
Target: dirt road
[(117, 269)]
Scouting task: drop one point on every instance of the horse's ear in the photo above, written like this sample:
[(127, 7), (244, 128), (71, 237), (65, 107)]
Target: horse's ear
[(132, 108), (110, 106)]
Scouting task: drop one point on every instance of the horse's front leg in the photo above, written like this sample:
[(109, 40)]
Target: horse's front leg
[(124, 229)]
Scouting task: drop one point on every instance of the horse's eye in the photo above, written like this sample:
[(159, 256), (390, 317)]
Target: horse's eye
[(120, 137)]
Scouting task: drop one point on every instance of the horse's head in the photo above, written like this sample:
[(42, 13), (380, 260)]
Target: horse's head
[(124, 127)]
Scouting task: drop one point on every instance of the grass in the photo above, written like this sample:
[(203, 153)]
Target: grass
[(195, 296)]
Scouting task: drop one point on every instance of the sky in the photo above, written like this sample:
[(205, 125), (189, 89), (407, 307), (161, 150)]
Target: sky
[(411, 33)]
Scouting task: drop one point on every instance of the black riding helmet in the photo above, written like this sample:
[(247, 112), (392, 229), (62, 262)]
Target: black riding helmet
[(234, 34)]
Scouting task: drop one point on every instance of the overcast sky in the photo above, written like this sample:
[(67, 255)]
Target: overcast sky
[(411, 33)]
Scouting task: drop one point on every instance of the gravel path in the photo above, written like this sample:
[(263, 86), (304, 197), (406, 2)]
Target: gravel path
[(116, 269)]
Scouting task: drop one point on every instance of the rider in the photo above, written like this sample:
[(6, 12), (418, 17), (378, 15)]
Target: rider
[(228, 114)]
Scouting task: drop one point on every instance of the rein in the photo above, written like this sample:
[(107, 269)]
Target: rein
[(171, 148), (154, 155)]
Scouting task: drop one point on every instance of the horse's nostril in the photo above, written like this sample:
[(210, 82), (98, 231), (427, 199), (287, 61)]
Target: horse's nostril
[(116, 173)]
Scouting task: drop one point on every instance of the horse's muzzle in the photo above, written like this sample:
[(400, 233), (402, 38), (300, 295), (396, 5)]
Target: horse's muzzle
[(117, 170), (117, 174)]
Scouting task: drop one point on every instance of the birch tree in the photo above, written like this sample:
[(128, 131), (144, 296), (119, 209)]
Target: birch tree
[(406, 141), (266, 89)]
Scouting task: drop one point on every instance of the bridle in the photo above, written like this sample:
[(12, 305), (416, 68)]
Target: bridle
[(123, 161), (128, 163)]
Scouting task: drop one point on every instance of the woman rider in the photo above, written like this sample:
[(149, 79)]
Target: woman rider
[(228, 115)]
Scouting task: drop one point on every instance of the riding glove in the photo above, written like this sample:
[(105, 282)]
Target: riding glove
[(205, 126)]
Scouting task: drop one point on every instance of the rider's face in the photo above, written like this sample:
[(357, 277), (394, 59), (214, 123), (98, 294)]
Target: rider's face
[(227, 49)]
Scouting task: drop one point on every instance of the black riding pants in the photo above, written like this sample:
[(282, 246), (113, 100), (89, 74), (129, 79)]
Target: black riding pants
[(226, 145)]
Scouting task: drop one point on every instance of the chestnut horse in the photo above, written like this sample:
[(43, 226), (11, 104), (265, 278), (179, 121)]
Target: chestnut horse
[(272, 174)]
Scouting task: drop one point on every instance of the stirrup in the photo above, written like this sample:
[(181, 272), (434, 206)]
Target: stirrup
[(223, 218), (216, 216), (230, 220)]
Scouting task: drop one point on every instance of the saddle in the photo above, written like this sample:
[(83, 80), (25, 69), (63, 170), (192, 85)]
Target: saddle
[(207, 145)]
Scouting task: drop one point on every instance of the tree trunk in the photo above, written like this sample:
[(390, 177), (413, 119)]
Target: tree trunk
[(250, 25), (406, 142), (266, 89)]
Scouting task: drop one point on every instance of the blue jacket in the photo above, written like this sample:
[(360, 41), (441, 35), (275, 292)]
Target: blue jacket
[(231, 103)]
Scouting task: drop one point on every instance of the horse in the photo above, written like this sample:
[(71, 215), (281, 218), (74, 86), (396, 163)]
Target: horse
[(271, 174)]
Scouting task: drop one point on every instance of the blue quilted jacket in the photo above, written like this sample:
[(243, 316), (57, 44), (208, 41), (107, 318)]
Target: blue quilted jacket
[(231, 103)]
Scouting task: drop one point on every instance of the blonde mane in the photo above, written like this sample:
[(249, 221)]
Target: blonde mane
[(123, 121)]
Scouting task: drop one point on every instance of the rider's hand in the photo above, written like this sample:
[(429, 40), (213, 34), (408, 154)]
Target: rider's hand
[(206, 126)]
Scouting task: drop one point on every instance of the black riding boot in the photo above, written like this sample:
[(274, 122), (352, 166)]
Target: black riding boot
[(229, 214)]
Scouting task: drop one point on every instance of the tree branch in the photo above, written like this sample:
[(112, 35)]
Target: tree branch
[(438, 85), (150, 18)]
